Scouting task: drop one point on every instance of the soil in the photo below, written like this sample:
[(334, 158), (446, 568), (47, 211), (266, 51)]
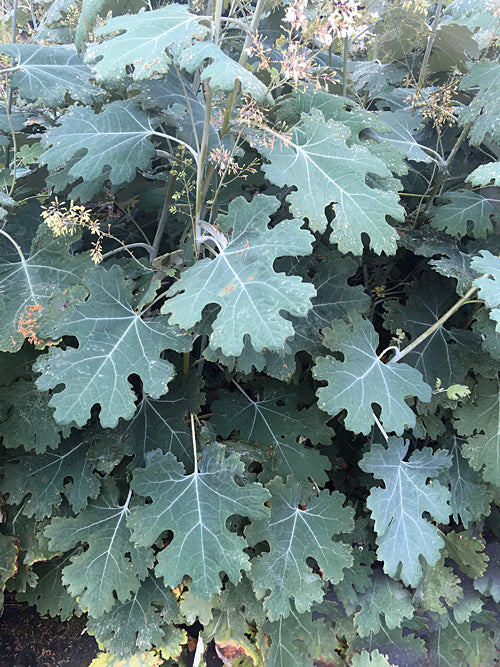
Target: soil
[(30, 640)]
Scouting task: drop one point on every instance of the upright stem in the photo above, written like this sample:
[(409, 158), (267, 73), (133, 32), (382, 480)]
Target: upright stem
[(344, 70), (201, 164), (427, 54), (8, 106), (162, 225), (458, 143), (242, 61), (445, 166), (217, 17)]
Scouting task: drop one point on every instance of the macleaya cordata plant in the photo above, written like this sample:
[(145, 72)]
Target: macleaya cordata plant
[(250, 318)]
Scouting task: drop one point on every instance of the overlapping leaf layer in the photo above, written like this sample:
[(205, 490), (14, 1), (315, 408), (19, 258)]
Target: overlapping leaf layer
[(250, 328)]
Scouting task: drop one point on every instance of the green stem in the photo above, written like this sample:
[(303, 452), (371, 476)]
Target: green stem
[(146, 246), (458, 143), (409, 348), (344, 70), (8, 105), (427, 54), (201, 166), (445, 166), (162, 225), (242, 61), (217, 15), (16, 245)]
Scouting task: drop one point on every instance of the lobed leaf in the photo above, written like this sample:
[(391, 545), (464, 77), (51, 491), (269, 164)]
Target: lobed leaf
[(479, 421), (29, 283), (295, 533), (195, 507), (482, 112), (318, 161), (111, 144), (111, 565), (142, 41), (403, 535), (458, 209), (137, 625), (47, 74), (242, 281), (386, 599), (114, 343), (44, 477), (274, 422), (355, 384), (489, 285)]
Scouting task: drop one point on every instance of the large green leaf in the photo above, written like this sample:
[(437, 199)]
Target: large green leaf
[(111, 144), (489, 286), (482, 112), (439, 584), (462, 207), (174, 96), (404, 126), (470, 499), (29, 421), (30, 282), (111, 564), (236, 612), (295, 533), (136, 625), (478, 15), (48, 594), (335, 297), (242, 281), (484, 174), (489, 582), (142, 41), (403, 535), (452, 643), (363, 379), (46, 476), (490, 338), (297, 640), (273, 421), (400, 646), (454, 45), (195, 507), (479, 420), (47, 74), (449, 260), (317, 160), (387, 600), (223, 72), (114, 343), (157, 424), (357, 578)]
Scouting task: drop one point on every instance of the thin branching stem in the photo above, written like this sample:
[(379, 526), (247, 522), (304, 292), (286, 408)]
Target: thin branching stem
[(430, 43), (346, 62), (162, 225), (409, 348)]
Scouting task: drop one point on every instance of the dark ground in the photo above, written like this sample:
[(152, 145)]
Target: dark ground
[(30, 640)]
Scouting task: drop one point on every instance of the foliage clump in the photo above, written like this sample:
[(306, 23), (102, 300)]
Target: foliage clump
[(249, 290)]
